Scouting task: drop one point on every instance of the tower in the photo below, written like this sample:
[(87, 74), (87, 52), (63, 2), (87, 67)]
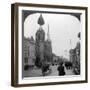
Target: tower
[(48, 47), (40, 34), (41, 20), (48, 35), (40, 39)]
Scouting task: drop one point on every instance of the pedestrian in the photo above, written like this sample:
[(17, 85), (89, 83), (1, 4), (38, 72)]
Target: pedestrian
[(61, 70), (43, 70)]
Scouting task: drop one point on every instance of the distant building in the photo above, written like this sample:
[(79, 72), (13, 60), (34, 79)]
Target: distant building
[(26, 50), (48, 48), (55, 59), (32, 56), (72, 55), (29, 51), (75, 57)]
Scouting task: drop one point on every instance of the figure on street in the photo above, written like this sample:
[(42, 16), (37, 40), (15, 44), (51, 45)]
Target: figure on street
[(61, 71)]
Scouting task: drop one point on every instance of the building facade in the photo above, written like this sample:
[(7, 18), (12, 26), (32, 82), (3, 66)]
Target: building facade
[(29, 51), (39, 51), (75, 58), (43, 47)]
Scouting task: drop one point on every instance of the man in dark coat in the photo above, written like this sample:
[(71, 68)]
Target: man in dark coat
[(61, 70)]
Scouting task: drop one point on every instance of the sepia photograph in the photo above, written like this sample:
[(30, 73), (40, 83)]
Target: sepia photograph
[(49, 44)]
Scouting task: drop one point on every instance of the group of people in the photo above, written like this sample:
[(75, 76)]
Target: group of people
[(45, 68), (60, 69)]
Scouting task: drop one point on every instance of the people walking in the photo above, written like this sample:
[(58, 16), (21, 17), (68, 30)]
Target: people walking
[(61, 71)]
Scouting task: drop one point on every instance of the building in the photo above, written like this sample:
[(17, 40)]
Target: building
[(48, 48), (75, 57), (29, 51), (26, 50), (55, 59), (38, 51), (43, 47), (32, 56), (72, 55)]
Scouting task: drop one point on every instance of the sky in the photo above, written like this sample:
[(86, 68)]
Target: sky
[(63, 30)]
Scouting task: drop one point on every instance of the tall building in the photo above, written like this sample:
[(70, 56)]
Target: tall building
[(40, 39), (43, 47), (38, 51)]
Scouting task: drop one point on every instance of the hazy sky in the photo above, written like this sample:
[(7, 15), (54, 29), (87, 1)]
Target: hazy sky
[(63, 29)]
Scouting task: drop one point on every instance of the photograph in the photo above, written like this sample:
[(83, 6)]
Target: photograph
[(50, 44)]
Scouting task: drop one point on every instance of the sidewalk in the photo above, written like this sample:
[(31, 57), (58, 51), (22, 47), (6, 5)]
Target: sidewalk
[(33, 73)]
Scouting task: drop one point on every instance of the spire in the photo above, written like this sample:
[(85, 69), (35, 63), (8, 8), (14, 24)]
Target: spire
[(41, 20), (48, 36)]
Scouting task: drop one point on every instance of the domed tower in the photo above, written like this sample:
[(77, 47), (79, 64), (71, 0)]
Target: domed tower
[(40, 39), (40, 34)]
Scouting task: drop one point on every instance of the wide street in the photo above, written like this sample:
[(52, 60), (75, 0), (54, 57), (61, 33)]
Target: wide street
[(35, 72)]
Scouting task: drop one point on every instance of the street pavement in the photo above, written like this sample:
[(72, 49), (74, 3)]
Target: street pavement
[(55, 71), (35, 72)]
